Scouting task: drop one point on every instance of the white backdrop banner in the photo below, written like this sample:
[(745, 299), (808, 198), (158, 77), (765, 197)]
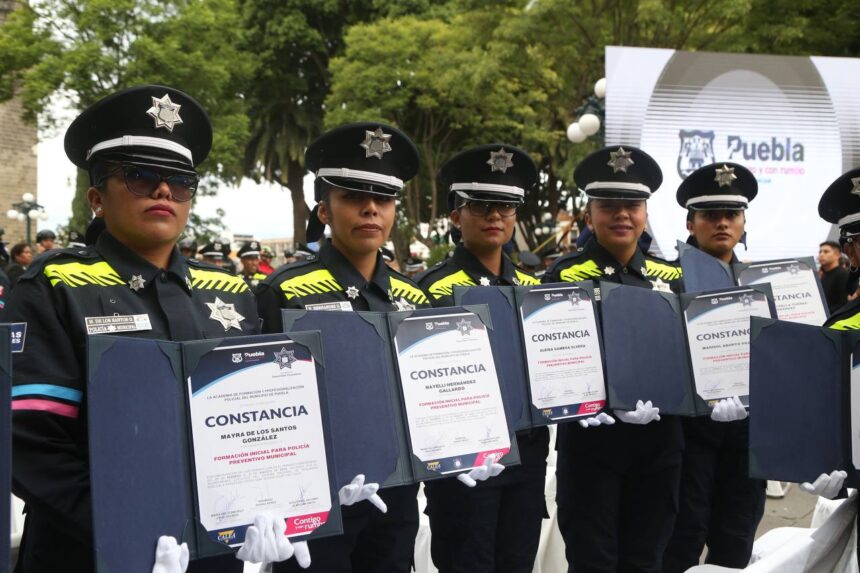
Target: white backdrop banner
[(793, 121)]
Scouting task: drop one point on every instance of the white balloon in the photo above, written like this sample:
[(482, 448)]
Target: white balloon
[(575, 133), (28, 197), (589, 124), (600, 88)]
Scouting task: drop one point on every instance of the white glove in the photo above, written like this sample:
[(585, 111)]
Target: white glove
[(482, 473), (357, 491), (602, 419), (265, 541), (826, 485), (170, 557), (643, 414), (729, 410)]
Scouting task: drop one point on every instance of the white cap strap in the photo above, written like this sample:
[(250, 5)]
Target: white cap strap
[(718, 199), (368, 176), (250, 254), (617, 185), (142, 141), (489, 187), (848, 219)]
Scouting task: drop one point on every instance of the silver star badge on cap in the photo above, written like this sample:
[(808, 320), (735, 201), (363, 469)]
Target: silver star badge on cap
[(136, 283), (500, 160), (225, 314), (620, 160), (725, 175), (352, 292), (375, 143), (164, 112), (855, 181)]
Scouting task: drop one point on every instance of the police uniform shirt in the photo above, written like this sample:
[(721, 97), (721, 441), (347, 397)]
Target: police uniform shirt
[(464, 269), (253, 280), (55, 297), (593, 262), (330, 278)]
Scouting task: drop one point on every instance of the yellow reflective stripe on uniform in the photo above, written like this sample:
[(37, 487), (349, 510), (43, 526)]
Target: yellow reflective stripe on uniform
[(80, 274), (850, 323), (581, 272), (662, 270), (214, 280), (315, 282), (445, 286), (404, 289), (526, 279)]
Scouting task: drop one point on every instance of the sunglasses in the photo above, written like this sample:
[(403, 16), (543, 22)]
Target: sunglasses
[(141, 181), (484, 208)]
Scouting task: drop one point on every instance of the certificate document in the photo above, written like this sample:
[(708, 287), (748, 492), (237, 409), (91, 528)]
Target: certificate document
[(563, 352), (258, 439), (718, 334), (795, 289), (855, 409), (451, 391)]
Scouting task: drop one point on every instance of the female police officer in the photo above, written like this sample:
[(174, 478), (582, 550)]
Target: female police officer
[(140, 147), (618, 483), (359, 168), (496, 526)]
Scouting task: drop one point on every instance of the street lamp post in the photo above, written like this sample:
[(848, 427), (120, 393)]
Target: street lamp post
[(26, 211), (591, 115)]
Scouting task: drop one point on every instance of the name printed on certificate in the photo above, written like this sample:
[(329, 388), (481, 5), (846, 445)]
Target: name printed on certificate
[(563, 352), (258, 439), (451, 392), (718, 334), (795, 290)]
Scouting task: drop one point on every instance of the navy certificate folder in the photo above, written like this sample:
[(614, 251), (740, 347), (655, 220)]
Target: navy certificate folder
[(5, 443)]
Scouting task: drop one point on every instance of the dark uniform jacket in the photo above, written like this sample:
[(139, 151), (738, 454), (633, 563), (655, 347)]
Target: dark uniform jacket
[(331, 278), (55, 297), (464, 269)]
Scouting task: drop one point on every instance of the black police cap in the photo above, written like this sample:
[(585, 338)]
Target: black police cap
[(840, 204), (495, 172), (718, 186), (213, 249), (45, 234), (148, 125), (618, 172), (387, 255), (249, 249), (76, 239)]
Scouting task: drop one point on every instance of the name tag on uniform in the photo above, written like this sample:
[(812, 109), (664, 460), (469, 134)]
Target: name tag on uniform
[(117, 323), (338, 306)]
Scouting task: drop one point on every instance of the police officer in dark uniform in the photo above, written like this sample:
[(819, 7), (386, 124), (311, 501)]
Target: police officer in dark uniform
[(360, 168), (249, 256), (495, 526), (76, 239), (188, 248), (213, 253), (140, 147), (720, 505), (618, 483)]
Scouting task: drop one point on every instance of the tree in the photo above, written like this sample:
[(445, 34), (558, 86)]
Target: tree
[(87, 49)]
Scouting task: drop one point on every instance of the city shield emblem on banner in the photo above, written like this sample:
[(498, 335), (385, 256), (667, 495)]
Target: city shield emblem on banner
[(697, 150)]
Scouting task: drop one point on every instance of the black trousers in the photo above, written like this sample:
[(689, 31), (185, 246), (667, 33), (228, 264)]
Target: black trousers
[(617, 494), (719, 504), (495, 526), (372, 541), (46, 548)]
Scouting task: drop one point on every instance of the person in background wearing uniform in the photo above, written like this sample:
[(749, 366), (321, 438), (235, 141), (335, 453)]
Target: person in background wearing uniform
[(213, 253), (140, 147), (249, 256), (76, 240), (719, 504), (360, 168), (493, 526), (840, 205), (618, 483), (265, 265), (389, 259), (188, 248), (45, 241)]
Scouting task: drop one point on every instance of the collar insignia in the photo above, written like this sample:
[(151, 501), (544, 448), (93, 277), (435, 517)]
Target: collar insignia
[(352, 292), (484, 281), (164, 112), (136, 283), (608, 271)]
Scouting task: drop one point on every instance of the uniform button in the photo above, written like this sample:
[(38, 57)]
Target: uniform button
[(164, 277), (624, 270)]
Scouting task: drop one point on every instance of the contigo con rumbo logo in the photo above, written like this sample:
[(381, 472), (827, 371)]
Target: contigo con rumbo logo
[(697, 150)]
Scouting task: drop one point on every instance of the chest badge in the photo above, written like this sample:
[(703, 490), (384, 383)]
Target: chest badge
[(136, 282), (225, 314), (484, 281), (516, 281), (403, 304), (352, 292), (661, 286), (608, 271)]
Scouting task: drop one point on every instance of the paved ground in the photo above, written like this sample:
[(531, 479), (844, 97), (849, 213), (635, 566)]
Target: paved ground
[(793, 510)]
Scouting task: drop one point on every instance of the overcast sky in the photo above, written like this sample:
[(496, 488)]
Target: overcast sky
[(264, 211)]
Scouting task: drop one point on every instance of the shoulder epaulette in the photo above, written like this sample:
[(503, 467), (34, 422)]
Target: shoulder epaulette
[(212, 277), (525, 278), (74, 267), (402, 286), (662, 269), (316, 281)]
